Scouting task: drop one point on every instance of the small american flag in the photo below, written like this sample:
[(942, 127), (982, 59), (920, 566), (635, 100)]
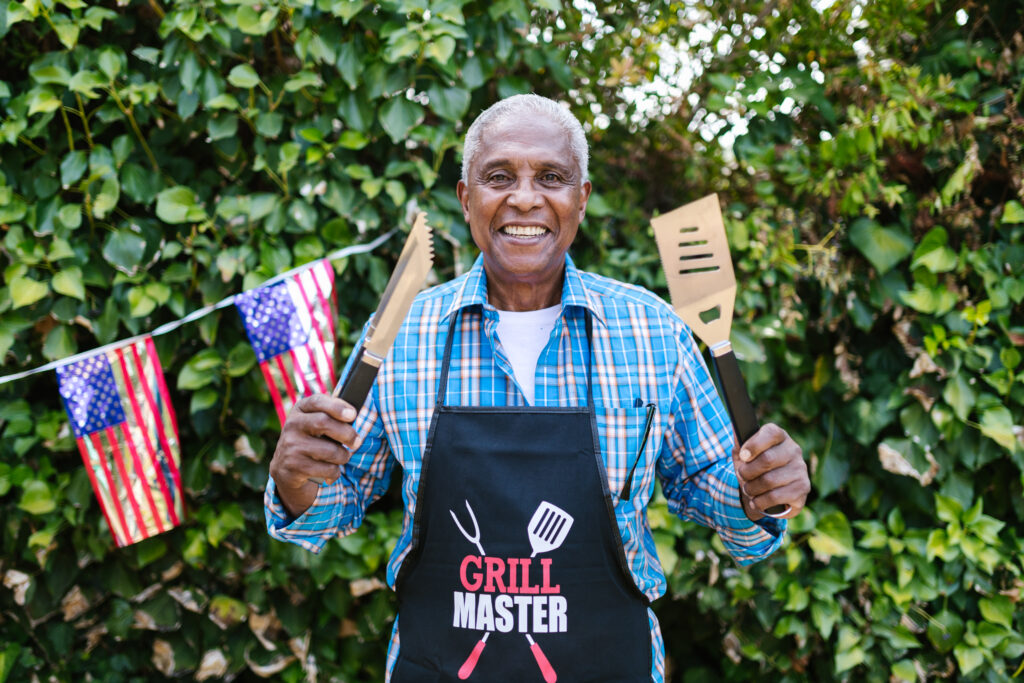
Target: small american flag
[(290, 324), (127, 433)]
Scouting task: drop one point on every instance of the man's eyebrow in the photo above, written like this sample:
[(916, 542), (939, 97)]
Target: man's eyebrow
[(564, 169)]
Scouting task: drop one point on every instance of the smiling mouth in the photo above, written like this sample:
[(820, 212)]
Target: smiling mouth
[(523, 230)]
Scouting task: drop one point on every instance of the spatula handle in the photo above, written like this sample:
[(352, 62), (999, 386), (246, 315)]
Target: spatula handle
[(737, 400)]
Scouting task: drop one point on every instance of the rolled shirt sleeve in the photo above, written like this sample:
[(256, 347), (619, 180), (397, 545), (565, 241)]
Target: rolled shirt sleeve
[(696, 467), (339, 507)]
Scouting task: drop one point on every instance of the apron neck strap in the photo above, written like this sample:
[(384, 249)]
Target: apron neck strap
[(442, 386)]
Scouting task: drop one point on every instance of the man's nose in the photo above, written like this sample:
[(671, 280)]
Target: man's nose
[(526, 195)]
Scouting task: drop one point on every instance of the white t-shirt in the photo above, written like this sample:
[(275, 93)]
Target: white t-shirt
[(523, 335)]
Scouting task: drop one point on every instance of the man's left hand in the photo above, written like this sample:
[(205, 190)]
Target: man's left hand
[(771, 471)]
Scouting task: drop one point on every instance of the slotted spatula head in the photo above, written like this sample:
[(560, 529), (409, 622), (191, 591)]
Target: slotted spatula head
[(698, 268)]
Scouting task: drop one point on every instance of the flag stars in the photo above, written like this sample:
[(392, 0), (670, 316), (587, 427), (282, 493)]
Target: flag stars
[(272, 320), (90, 393)]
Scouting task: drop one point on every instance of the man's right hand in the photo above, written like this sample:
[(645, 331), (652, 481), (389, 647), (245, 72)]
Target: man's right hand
[(316, 440)]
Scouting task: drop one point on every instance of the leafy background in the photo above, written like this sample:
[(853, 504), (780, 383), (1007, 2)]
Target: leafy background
[(159, 156)]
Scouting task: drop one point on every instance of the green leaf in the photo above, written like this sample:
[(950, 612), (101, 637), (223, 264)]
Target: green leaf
[(883, 247), (959, 395), (441, 49), (37, 498), (72, 167), (945, 630), (352, 139), (398, 116), (303, 79), (241, 359), (948, 509), (25, 291), (1013, 212), (968, 658), (106, 200), (150, 55), (110, 63), (60, 343), (140, 304), (935, 300), (124, 249), (138, 183), (178, 205), (243, 76), (934, 253), (67, 32), (51, 73), (289, 157), (253, 23), (449, 103), (832, 535), (69, 283), (41, 101), (86, 83), (223, 101), (997, 609), (202, 399), (350, 64), (997, 424)]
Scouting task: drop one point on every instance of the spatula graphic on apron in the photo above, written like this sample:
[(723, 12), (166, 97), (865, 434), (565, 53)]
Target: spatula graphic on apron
[(702, 285)]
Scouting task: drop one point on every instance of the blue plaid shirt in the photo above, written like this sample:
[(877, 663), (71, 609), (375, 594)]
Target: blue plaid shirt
[(642, 353)]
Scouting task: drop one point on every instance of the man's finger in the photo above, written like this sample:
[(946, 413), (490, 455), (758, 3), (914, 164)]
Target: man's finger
[(324, 403), (321, 424), (763, 439), (793, 494), (773, 479)]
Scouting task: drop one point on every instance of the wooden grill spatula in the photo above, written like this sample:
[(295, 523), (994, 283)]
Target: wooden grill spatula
[(701, 282)]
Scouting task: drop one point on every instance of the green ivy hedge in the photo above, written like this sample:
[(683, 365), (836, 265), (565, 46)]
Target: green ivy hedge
[(157, 157)]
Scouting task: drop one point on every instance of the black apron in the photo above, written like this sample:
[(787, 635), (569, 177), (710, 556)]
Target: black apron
[(517, 571)]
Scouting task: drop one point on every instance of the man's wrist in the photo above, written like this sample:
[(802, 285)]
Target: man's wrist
[(297, 501)]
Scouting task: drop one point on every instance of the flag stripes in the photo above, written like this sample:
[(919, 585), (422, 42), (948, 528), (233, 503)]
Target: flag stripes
[(127, 436), (290, 324)]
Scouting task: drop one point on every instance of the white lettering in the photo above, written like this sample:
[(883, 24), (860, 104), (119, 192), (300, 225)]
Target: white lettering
[(504, 621), (539, 616), (557, 607), (523, 603), (505, 613), (484, 613), (465, 609)]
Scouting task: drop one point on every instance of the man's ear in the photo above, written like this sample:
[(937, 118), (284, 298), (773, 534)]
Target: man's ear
[(585, 189), (463, 194)]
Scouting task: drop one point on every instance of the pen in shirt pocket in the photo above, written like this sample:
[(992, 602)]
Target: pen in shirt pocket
[(628, 486)]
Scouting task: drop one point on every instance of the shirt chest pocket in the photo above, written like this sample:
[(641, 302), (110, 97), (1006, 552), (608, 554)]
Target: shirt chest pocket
[(622, 431)]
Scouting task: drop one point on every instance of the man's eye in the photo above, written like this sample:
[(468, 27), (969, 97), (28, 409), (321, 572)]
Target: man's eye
[(550, 177), (498, 178)]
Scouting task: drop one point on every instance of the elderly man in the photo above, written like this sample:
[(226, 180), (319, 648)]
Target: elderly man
[(530, 406)]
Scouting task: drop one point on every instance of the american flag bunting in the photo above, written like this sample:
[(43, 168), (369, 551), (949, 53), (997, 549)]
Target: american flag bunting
[(290, 324), (127, 434)]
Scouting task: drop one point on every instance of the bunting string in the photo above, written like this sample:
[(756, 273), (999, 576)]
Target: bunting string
[(194, 315)]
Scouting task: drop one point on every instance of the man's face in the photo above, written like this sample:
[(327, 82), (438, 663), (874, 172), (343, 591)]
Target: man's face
[(524, 201)]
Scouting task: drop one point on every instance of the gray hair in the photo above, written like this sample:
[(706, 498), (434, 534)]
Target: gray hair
[(522, 105)]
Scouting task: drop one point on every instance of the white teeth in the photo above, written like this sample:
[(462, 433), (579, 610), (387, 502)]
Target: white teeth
[(523, 230)]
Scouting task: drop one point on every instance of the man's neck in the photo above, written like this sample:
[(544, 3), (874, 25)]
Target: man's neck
[(523, 296)]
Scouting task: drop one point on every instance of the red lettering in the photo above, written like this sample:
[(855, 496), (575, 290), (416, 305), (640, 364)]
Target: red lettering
[(495, 571), (479, 580), (513, 586), (525, 587), (546, 588)]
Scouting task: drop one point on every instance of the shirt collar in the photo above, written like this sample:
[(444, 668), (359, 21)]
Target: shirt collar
[(574, 293)]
